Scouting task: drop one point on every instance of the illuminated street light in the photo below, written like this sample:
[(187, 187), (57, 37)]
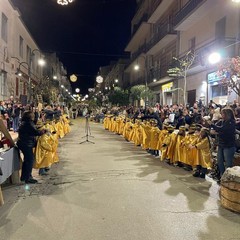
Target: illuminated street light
[(116, 80), (55, 77), (41, 62), (64, 2), (214, 58), (136, 67), (77, 90), (73, 78), (99, 79), (154, 80), (62, 86)]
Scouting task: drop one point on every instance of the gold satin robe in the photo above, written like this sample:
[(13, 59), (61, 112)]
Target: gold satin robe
[(204, 147), (172, 146), (178, 153), (155, 131), (146, 135)]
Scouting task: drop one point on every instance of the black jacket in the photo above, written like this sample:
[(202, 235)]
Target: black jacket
[(226, 133), (154, 115), (26, 134)]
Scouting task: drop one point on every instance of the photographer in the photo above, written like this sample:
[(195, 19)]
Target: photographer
[(26, 142), (226, 139)]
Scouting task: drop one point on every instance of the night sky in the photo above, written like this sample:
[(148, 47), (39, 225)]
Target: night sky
[(86, 34)]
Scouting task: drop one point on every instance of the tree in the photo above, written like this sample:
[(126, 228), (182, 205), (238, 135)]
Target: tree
[(183, 64), (136, 92), (119, 97), (48, 89), (139, 92), (229, 71)]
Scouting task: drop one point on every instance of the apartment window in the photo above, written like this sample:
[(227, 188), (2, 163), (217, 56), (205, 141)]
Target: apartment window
[(219, 90), (20, 46), (4, 27), (220, 28), (3, 83), (192, 43)]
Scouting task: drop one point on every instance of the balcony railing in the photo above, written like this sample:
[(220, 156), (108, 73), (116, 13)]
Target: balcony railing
[(202, 53), (165, 30), (155, 5), (188, 8), (144, 18), (141, 49), (157, 73), (139, 81)]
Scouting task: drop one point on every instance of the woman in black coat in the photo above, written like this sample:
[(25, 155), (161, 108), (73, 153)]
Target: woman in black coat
[(226, 139), (26, 142)]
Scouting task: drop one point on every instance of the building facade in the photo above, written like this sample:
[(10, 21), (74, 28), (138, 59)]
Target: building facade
[(19, 56), (163, 29)]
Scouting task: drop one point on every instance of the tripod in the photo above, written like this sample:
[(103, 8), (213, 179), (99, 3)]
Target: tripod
[(87, 131)]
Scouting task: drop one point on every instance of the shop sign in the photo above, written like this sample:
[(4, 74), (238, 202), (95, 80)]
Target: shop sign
[(167, 87), (214, 77)]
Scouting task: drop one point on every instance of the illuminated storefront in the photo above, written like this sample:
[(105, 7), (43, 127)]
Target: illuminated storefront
[(167, 93)]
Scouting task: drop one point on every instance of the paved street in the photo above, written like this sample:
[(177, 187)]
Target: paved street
[(112, 190)]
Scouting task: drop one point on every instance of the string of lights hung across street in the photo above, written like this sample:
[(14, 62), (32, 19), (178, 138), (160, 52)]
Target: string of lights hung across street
[(64, 2)]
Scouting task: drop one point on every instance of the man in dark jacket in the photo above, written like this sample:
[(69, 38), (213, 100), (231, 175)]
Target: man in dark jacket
[(151, 114), (26, 142)]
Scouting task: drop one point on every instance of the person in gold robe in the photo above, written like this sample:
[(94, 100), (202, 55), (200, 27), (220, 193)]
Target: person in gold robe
[(172, 148), (165, 144), (46, 149), (179, 153), (203, 147), (154, 137), (188, 154), (146, 127)]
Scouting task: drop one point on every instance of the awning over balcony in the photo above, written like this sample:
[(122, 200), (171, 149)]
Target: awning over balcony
[(138, 38)]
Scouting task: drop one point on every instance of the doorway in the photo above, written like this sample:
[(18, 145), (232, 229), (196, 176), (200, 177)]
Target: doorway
[(191, 99)]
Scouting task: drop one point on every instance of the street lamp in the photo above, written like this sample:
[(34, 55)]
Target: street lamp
[(19, 73), (214, 58), (77, 90), (136, 68), (99, 79)]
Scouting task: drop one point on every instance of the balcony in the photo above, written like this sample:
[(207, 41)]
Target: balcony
[(161, 39), (135, 55), (192, 12), (158, 8), (138, 81), (225, 46), (136, 26), (138, 36)]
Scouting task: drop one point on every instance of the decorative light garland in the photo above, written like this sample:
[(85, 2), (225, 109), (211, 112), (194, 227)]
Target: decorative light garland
[(64, 2)]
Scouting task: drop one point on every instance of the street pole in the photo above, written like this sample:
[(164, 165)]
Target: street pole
[(29, 82)]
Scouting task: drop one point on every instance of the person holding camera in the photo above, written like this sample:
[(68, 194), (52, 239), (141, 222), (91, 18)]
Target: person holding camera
[(226, 139), (26, 142)]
